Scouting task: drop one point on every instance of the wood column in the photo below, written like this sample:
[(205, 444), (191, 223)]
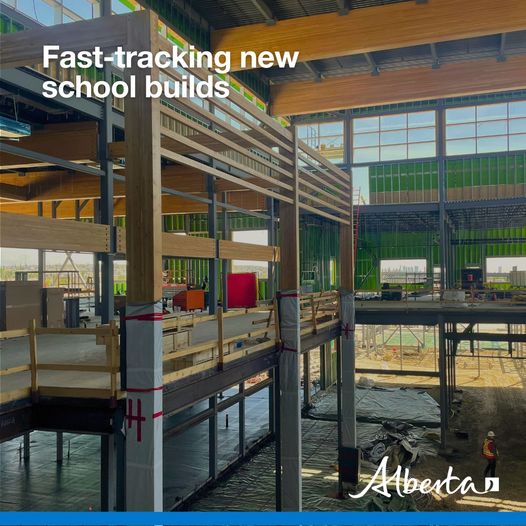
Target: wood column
[(144, 440), (289, 366)]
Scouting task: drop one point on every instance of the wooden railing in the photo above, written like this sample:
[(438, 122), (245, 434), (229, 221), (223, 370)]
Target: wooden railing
[(181, 358), (215, 353), (107, 335)]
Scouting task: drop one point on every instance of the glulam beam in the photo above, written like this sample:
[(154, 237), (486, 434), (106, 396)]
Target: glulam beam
[(405, 85), (376, 28)]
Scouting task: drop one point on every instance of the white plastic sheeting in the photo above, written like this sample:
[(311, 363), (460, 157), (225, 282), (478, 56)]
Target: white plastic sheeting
[(290, 403), (348, 370), (144, 408)]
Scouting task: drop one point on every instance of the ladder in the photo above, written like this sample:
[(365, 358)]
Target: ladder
[(356, 199)]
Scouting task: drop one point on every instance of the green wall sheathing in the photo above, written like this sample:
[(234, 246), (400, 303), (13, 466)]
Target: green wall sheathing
[(471, 247), (319, 253), (402, 177), (460, 173), (485, 171), (372, 248)]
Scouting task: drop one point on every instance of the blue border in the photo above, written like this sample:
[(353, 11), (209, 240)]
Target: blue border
[(262, 518)]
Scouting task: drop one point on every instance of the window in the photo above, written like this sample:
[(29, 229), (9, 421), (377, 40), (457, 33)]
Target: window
[(256, 237), (484, 129), (325, 137), (52, 12), (394, 137)]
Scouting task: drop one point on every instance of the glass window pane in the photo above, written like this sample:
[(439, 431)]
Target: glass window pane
[(517, 126), (368, 124), (393, 122), (518, 109), (366, 139), (366, 155), (82, 8), (421, 135), (421, 149), (492, 144), (460, 131), (421, 119), (393, 137), (332, 141), (517, 142), (303, 132), (120, 7), (40, 11), (331, 128), (461, 147), (391, 153), (457, 115), (492, 112), (485, 129)]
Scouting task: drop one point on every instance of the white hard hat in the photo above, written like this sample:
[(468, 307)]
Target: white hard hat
[(491, 434)]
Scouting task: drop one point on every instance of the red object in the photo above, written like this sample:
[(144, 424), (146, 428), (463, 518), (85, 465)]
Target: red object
[(242, 290), (190, 299)]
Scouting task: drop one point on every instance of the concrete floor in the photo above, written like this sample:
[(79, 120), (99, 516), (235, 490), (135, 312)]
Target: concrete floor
[(52, 348), (41, 484)]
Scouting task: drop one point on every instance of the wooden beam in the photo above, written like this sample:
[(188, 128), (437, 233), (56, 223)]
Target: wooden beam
[(51, 139), (406, 85), (22, 231), (171, 204), (24, 48), (377, 28), (247, 251), (143, 174), (11, 192)]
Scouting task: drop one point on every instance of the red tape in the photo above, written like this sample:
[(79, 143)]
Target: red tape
[(144, 389), (154, 316)]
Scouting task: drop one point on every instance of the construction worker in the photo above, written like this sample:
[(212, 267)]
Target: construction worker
[(490, 453)]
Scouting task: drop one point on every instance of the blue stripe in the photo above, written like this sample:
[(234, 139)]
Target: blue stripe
[(262, 518)]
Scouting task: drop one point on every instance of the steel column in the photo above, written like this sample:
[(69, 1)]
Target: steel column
[(106, 192), (60, 447), (213, 263), (442, 371), (442, 191), (212, 438), (225, 263), (241, 406), (108, 472)]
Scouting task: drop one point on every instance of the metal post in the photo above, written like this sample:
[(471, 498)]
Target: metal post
[(212, 438), (271, 227), (242, 441), (27, 445), (108, 472), (323, 369), (213, 263), (41, 254), (442, 189), (442, 371), (271, 403), (120, 457), (339, 411), (277, 435), (60, 447), (306, 379), (225, 263)]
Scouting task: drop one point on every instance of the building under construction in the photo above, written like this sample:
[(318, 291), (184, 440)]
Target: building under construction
[(246, 303)]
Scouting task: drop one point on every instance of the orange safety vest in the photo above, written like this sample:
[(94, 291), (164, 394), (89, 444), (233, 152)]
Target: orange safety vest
[(489, 451)]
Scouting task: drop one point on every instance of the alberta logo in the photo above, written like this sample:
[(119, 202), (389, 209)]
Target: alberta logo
[(384, 484)]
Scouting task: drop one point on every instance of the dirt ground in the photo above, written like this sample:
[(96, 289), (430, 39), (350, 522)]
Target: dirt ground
[(494, 400)]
